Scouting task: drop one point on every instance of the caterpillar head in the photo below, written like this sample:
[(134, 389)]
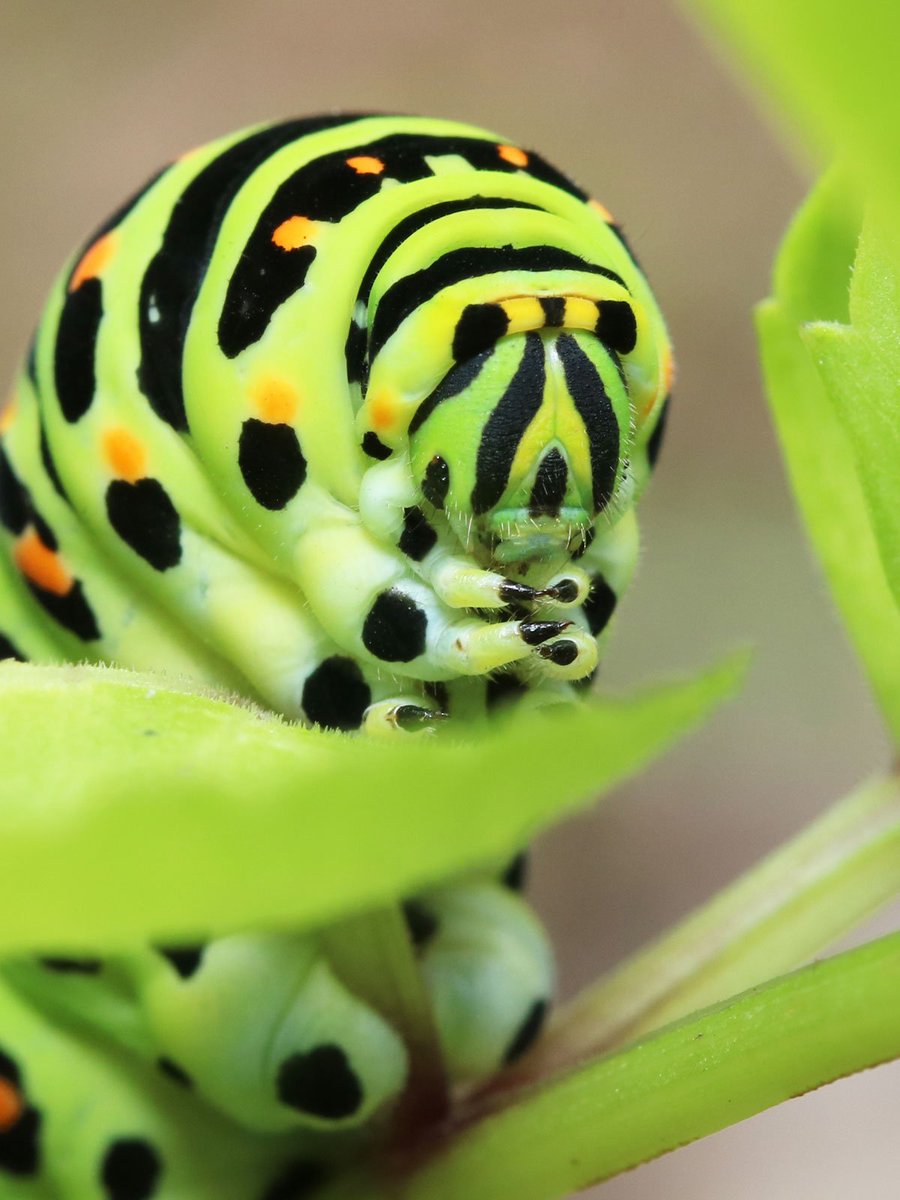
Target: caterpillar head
[(525, 443)]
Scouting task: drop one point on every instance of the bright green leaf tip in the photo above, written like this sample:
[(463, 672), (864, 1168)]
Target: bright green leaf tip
[(225, 817)]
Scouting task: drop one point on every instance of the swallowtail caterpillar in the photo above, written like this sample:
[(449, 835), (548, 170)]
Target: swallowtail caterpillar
[(347, 415)]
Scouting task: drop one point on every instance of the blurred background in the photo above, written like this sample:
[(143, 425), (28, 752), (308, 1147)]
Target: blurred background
[(625, 96)]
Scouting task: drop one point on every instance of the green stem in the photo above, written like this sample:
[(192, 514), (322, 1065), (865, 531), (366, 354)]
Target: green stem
[(789, 907), (688, 1080)]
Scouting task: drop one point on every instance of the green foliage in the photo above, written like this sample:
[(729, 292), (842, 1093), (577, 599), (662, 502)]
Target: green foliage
[(860, 366), (825, 354), (129, 810)]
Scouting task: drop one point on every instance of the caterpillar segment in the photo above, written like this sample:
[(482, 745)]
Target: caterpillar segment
[(347, 415)]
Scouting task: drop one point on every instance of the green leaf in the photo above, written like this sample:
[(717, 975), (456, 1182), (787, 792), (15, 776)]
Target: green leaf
[(713, 1069), (828, 71), (860, 366), (129, 810), (812, 280)]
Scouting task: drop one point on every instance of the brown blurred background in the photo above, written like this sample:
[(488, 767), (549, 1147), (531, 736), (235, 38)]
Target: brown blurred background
[(625, 96)]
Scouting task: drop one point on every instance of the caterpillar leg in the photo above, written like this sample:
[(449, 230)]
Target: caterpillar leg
[(267, 1034), (401, 715), (389, 510), (488, 966), (80, 1120), (380, 611)]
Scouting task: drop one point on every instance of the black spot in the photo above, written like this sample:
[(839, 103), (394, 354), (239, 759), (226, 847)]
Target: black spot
[(73, 966), (297, 1182), (146, 520), (527, 1033), (174, 1072), (655, 441), (596, 411), (375, 447), (436, 483), (76, 344), (271, 462), (515, 875), (186, 960), (501, 690), (599, 605), (335, 695), (468, 262), (355, 353), (554, 310), (321, 1083), (19, 1144), (418, 537), (394, 629), (550, 483), (505, 427), (15, 503), (130, 1170), (70, 610), (477, 329), (173, 277), (616, 326), (9, 650)]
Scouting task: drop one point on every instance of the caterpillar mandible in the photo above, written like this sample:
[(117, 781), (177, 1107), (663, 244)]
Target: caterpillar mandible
[(346, 415)]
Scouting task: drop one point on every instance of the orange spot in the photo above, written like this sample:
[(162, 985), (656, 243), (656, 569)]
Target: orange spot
[(125, 454), (9, 414), (294, 232), (94, 259), (276, 401), (602, 210), (512, 154), (365, 164), (11, 1106), (382, 410), (41, 565)]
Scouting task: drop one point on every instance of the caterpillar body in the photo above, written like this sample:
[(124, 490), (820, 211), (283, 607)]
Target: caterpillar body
[(346, 415)]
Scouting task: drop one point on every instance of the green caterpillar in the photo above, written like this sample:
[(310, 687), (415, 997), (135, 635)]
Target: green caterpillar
[(346, 415)]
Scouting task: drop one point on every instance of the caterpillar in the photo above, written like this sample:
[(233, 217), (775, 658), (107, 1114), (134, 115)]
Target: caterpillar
[(347, 415)]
